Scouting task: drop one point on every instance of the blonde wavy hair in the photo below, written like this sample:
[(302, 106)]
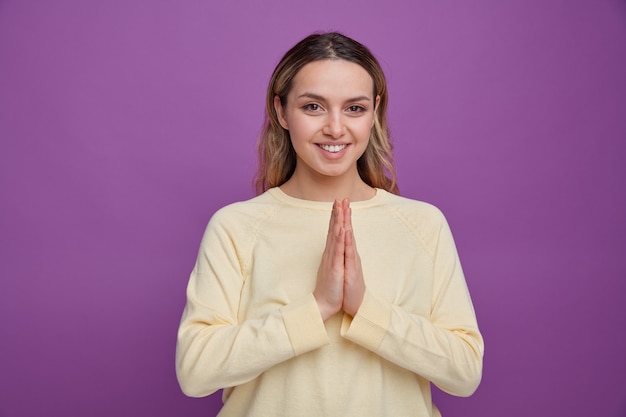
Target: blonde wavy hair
[(277, 158)]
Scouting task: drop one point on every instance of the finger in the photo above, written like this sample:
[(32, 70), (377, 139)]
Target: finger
[(354, 285), (350, 249), (347, 215), (334, 234), (335, 240), (332, 217), (339, 250), (332, 226), (351, 255), (340, 216)]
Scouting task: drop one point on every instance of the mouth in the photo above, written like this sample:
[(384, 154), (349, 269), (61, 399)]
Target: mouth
[(332, 148)]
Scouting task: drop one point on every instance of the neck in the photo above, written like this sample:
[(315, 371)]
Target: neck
[(328, 188)]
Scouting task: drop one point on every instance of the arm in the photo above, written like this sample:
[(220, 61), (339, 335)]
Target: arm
[(445, 347), (214, 348)]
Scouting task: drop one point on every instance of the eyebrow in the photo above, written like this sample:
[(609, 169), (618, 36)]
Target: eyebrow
[(320, 98)]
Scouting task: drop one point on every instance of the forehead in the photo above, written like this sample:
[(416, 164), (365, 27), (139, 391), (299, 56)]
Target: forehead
[(336, 77)]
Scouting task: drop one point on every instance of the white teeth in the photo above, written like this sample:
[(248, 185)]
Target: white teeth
[(332, 148)]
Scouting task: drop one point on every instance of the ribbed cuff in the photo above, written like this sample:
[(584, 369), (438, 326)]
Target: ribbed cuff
[(369, 327), (304, 325)]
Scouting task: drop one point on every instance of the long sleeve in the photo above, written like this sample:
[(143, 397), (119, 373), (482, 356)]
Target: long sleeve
[(252, 327), (215, 349), (444, 346)]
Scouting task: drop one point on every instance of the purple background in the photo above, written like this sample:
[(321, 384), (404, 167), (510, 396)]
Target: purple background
[(125, 124)]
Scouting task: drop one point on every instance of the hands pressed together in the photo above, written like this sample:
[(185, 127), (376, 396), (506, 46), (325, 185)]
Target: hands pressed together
[(340, 284)]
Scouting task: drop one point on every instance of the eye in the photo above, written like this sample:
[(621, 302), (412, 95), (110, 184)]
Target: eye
[(311, 107), (356, 109)]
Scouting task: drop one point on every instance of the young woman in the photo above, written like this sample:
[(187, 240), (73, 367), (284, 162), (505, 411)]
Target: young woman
[(328, 294)]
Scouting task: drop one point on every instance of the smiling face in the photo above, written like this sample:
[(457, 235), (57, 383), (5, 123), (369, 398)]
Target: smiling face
[(329, 113)]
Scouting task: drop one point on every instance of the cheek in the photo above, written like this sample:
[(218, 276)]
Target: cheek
[(300, 128), (364, 129)]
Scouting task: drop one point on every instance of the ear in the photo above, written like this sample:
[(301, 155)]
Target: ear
[(280, 112)]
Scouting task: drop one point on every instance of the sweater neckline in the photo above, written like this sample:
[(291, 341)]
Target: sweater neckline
[(281, 196)]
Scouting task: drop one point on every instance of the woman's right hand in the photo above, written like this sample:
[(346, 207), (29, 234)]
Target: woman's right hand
[(330, 276)]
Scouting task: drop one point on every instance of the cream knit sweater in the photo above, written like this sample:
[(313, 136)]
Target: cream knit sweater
[(252, 326)]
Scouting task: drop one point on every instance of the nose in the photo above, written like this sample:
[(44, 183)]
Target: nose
[(334, 126)]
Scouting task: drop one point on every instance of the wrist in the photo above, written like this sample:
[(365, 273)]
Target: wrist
[(326, 311)]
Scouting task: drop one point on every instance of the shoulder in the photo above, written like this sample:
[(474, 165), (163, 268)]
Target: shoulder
[(425, 221), (243, 214), (236, 225), (414, 211)]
